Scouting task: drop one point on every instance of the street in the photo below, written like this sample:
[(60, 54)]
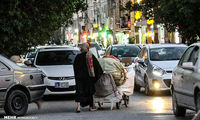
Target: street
[(141, 107)]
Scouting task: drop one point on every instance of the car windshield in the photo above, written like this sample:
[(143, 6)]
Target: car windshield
[(166, 53), (125, 51), (95, 45), (56, 57), (31, 54)]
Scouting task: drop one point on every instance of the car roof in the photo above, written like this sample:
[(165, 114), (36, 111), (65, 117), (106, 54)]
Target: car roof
[(165, 45), (195, 44), (126, 45), (59, 48)]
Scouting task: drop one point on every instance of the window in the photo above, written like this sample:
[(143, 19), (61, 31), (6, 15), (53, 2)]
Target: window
[(56, 57), (166, 53), (186, 56), (125, 51), (194, 55), (3, 67)]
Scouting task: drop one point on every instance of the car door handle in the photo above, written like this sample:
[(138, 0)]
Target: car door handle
[(7, 80)]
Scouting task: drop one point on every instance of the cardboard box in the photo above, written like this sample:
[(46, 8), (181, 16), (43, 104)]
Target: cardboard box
[(127, 60)]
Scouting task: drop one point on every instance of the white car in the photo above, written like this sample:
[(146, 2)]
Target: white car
[(57, 64), (154, 66)]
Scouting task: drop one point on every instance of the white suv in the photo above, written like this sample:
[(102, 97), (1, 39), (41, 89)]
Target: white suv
[(57, 64)]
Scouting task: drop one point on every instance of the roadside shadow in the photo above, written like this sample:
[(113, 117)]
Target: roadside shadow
[(58, 97)]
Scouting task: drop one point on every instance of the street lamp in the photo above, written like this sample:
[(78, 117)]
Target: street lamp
[(139, 1)]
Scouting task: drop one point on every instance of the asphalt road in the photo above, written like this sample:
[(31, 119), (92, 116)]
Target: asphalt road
[(141, 107)]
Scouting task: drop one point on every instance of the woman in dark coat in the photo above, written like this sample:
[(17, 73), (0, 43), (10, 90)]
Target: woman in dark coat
[(87, 71)]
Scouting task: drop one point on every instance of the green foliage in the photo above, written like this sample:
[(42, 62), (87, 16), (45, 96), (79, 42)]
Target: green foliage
[(31, 22), (184, 13), (131, 40)]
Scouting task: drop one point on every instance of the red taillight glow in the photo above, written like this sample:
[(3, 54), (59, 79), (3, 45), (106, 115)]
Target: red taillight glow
[(42, 77)]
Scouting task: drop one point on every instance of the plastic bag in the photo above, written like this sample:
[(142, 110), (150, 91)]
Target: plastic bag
[(105, 86)]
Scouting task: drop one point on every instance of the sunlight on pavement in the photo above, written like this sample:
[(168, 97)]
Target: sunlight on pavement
[(158, 105)]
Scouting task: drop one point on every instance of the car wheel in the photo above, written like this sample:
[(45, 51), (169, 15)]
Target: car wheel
[(178, 110), (198, 102), (147, 90), (137, 87), (118, 105), (16, 103)]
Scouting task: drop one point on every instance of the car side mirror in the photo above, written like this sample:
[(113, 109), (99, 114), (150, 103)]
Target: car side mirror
[(188, 66), (28, 62), (136, 60), (141, 60)]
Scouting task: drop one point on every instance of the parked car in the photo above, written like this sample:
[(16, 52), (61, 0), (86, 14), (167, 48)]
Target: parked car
[(154, 66), (57, 64), (123, 51), (97, 46), (19, 86), (185, 85)]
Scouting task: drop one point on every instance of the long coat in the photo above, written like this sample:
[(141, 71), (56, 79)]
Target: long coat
[(84, 83)]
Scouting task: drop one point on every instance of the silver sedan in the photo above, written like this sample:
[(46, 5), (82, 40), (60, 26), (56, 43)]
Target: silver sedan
[(19, 86)]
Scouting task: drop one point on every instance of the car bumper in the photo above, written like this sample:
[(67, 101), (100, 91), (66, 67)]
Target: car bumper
[(163, 81), (36, 91), (52, 90)]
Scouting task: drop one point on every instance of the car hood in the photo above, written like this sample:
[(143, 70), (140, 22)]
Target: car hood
[(166, 65), (58, 70)]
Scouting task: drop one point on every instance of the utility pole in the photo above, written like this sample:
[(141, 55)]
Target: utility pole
[(133, 23), (79, 28), (114, 22)]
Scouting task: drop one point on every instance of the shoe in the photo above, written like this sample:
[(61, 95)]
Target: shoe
[(78, 110), (92, 109)]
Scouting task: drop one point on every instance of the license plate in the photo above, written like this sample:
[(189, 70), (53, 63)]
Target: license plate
[(61, 85)]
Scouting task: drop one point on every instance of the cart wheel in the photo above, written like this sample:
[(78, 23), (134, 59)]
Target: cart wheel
[(118, 105), (100, 105), (126, 100)]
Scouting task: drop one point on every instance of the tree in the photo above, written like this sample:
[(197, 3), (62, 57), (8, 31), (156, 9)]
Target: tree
[(181, 14), (31, 22)]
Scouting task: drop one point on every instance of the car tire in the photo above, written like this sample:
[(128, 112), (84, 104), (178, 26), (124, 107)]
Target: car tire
[(16, 103), (137, 87), (177, 110), (198, 101), (147, 90)]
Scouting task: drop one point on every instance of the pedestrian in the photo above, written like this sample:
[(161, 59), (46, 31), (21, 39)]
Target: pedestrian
[(87, 71)]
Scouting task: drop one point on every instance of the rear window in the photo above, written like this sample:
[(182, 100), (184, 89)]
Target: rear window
[(125, 51), (56, 57)]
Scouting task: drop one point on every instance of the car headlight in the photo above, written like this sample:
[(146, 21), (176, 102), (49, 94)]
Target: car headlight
[(158, 71)]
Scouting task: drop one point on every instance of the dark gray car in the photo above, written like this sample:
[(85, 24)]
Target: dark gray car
[(19, 86)]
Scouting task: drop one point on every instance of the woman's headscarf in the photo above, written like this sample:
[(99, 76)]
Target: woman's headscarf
[(85, 47), (89, 59)]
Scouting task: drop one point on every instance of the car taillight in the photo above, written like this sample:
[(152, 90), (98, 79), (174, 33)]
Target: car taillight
[(42, 77)]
